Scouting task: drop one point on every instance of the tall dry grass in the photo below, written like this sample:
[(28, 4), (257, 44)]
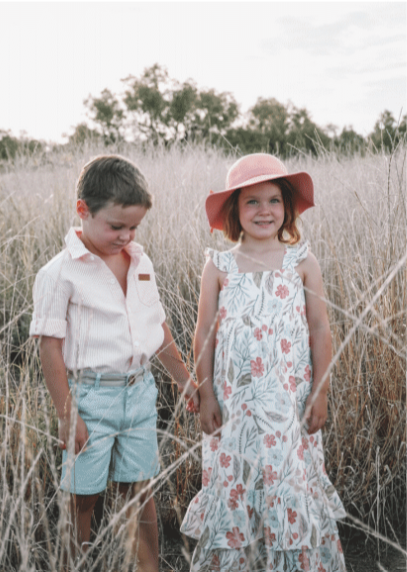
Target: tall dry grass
[(358, 233)]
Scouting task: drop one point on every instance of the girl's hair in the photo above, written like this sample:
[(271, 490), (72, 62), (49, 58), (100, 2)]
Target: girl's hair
[(112, 179), (231, 223)]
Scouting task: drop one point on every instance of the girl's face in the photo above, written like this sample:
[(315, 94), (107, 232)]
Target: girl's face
[(261, 210)]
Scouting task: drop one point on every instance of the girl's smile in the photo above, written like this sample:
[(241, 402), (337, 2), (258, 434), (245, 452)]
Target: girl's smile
[(261, 210)]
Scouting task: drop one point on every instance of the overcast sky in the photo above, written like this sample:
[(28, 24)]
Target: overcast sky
[(345, 62)]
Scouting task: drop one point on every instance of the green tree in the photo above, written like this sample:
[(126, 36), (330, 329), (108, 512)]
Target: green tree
[(304, 134), (387, 133), (349, 142), (271, 120), (148, 97), (82, 134), (105, 111)]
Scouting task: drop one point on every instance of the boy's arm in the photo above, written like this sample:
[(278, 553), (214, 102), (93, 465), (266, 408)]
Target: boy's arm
[(171, 360), (320, 342), (56, 380)]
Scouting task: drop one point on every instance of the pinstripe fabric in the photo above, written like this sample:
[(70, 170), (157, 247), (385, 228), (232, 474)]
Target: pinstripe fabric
[(78, 298)]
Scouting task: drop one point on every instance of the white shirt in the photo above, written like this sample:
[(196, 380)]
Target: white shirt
[(78, 298)]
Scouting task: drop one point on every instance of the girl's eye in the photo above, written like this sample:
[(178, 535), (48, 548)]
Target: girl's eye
[(275, 200), (115, 227), (252, 202)]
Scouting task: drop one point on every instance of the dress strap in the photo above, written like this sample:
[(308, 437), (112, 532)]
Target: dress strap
[(224, 261), (295, 254)]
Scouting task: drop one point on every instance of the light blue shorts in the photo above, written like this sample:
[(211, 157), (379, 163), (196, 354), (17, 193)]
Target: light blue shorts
[(122, 446)]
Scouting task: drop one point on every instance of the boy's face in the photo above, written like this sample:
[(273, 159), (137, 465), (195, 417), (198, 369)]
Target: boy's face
[(108, 231)]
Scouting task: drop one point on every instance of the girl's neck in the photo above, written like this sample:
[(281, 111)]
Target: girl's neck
[(258, 256), (260, 247)]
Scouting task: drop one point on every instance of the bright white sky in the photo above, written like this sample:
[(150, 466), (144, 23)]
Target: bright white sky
[(345, 62)]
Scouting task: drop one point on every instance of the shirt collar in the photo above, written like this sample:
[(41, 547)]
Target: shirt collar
[(77, 249)]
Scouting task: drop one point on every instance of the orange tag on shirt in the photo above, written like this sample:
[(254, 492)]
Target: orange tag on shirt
[(144, 277)]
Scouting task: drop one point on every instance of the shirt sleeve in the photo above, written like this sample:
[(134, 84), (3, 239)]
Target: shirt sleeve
[(50, 307)]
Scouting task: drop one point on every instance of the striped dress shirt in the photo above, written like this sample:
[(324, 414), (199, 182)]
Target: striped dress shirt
[(78, 298)]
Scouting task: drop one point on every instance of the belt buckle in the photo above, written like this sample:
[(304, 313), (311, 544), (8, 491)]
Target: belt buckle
[(132, 380)]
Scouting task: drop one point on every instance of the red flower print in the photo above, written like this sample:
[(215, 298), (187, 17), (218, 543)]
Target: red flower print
[(257, 367), (300, 452), (206, 475), (311, 439), (307, 374), (321, 568), (339, 545), (285, 346), (292, 515), (282, 291), (215, 564), (269, 536), (257, 334), (227, 390), (269, 441), (264, 328), (240, 491), (305, 443), (269, 475), (234, 496), (293, 385), (278, 434), (297, 308), (235, 538), (270, 331), (289, 364), (285, 438), (225, 460), (250, 511), (303, 558), (225, 283), (244, 406), (222, 313), (248, 413), (214, 444)]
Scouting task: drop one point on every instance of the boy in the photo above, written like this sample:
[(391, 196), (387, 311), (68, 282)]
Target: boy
[(99, 317)]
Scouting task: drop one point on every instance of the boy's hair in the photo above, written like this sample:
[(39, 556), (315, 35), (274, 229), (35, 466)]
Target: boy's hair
[(112, 179), (231, 223)]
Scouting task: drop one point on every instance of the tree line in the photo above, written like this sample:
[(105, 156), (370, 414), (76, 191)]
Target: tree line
[(159, 109)]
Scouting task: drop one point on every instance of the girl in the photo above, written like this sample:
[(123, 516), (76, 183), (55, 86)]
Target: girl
[(266, 501)]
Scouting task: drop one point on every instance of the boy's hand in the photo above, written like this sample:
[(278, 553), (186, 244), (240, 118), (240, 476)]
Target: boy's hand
[(211, 416), (81, 434), (316, 413), (191, 394)]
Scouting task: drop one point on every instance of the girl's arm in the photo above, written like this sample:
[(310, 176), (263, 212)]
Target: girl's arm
[(171, 360), (204, 347), (54, 370), (321, 346)]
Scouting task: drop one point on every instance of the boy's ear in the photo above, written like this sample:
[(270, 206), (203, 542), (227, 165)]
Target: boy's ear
[(82, 209)]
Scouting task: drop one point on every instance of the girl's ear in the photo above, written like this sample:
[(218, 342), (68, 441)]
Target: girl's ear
[(82, 209)]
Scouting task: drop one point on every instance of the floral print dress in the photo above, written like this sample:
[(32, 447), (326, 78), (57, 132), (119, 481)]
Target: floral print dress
[(266, 501)]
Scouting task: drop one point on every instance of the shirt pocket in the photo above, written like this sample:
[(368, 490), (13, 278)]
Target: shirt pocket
[(146, 289)]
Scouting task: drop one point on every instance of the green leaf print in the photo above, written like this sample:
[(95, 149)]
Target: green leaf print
[(231, 373), (257, 278), (246, 471), (314, 536), (236, 468), (244, 380)]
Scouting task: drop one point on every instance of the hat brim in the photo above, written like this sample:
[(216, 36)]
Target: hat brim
[(301, 183)]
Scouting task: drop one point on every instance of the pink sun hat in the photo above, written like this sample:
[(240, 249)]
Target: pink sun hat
[(253, 169)]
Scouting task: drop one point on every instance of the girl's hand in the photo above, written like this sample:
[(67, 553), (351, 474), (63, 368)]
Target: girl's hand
[(81, 434), (316, 413), (191, 394), (211, 416)]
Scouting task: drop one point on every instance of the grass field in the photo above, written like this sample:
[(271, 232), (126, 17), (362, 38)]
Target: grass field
[(358, 233)]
